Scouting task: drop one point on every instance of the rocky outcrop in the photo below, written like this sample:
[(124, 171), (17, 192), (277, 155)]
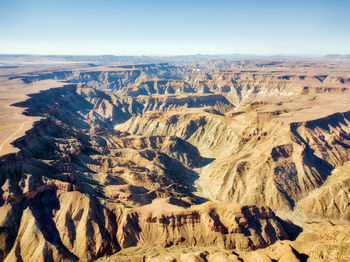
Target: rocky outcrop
[(156, 162), (229, 226), (332, 199), (264, 161)]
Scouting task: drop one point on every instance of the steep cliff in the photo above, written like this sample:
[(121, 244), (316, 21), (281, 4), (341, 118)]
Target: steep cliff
[(187, 162)]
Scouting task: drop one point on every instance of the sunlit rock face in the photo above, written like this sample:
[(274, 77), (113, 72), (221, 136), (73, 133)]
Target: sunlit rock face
[(216, 161)]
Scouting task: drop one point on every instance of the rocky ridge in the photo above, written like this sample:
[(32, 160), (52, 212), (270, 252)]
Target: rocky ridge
[(177, 156)]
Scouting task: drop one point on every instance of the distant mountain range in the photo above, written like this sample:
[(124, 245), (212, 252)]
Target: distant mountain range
[(337, 56), (179, 59)]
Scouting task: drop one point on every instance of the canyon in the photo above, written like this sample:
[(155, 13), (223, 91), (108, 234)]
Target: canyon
[(213, 160)]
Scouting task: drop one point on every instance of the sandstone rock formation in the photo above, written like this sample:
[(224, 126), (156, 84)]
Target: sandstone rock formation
[(160, 162)]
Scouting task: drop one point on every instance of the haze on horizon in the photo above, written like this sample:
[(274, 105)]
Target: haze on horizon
[(174, 27)]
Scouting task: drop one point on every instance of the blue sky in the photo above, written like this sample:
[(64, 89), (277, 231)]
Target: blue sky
[(152, 27)]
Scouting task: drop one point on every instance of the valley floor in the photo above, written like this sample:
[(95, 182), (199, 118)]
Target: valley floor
[(215, 161)]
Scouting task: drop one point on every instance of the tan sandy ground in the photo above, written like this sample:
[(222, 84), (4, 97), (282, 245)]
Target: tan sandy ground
[(256, 133), (13, 124)]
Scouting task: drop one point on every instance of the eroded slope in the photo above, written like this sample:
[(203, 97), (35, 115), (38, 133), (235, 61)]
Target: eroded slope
[(133, 156)]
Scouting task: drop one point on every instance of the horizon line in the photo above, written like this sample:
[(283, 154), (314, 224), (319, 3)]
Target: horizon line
[(176, 55)]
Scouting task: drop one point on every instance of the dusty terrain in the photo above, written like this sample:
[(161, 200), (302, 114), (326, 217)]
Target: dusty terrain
[(213, 161), (13, 90)]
